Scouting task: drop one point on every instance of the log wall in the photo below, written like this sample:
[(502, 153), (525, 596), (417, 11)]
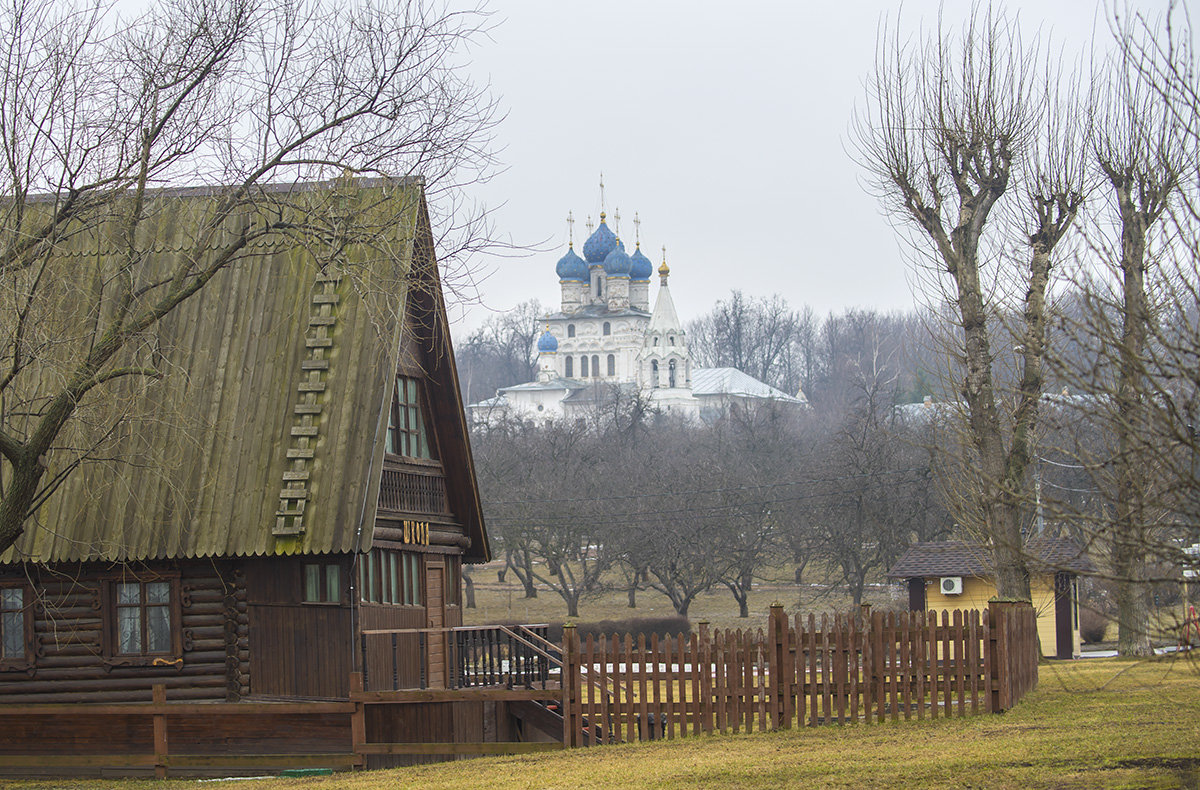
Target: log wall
[(68, 648)]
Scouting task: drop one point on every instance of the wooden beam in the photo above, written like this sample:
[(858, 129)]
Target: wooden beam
[(260, 760), (174, 708), (509, 747), (454, 695), (335, 760)]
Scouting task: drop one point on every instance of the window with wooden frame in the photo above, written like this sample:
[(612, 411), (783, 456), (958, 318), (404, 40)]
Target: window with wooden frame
[(16, 626), (390, 577), (407, 435), (322, 582), (453, 594), (143, 618)]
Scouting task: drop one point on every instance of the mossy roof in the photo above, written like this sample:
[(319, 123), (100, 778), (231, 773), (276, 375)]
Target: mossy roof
[(196, 464)]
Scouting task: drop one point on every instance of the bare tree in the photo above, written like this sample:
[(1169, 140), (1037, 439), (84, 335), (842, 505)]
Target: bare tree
[(763, 337), (238, 98), (951, 127), (500, 353)]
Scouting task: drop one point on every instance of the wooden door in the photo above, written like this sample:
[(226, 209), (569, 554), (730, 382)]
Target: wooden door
[(1063, 626), (435, 607)]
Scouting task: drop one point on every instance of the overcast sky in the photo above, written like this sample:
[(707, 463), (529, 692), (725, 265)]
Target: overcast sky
[(725, 126)]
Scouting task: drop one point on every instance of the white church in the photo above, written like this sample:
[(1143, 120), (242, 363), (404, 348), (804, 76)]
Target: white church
[(605, 339)]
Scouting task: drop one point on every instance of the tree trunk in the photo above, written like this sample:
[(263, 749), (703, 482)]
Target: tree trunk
[(469, 585), (1129, 531), (632, 592)]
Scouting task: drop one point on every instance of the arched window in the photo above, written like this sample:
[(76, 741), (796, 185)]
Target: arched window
[(583, 366), (597, 285), (607, 328), (596, 365), (655, 341), (612, 365), (570, 330), (570, 368), (654, 373), (671, 375), (671, 341)]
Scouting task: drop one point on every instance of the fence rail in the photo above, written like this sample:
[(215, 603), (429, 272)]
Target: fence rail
[(848, 668)]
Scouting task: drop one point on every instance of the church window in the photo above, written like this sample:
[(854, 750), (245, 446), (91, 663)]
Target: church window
[(570, 367), (595, 365), (607, 328), (655, 341), (583, 366), (671, 341), (612, 365), (570, 333), (597, 285), (654, 373), (671, 374), (406, 431)]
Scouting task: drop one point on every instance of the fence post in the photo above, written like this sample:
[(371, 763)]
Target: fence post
[(705, 706), (570, 672), (159, 696), (358, 722), (1001, 667), (777, 677)]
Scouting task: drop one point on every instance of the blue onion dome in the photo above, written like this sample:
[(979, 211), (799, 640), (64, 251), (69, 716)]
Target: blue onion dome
[(642, 269), (572, 267), (618, 263), (599, 244), (547, 343)]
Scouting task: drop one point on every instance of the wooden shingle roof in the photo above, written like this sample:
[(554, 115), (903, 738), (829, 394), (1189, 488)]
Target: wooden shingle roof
[(275, 399), (960, 558)]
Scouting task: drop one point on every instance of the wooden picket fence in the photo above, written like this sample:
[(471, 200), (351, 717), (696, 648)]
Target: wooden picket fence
[(859, 667)]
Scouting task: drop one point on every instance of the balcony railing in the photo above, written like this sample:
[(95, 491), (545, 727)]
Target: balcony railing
[(412, 490), (517, 656)]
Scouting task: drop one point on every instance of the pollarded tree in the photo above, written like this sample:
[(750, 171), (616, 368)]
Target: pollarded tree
[(1139, 307), (238, 98), (952, 126)]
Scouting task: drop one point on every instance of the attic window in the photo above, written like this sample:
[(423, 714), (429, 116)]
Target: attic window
[(406, 431)]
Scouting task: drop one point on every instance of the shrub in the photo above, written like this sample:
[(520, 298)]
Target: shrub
[(1092, 626), (663, 626)]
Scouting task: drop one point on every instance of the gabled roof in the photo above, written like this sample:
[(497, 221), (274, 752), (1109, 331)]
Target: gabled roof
[(960, 558), (206, 463), (734, 383)]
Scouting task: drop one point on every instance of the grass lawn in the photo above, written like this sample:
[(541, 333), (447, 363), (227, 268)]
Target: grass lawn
[(1095, 723)]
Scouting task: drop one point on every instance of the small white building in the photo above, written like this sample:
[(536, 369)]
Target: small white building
[(605, 340)]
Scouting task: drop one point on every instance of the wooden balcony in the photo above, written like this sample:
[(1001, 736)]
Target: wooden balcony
[(413, 488)]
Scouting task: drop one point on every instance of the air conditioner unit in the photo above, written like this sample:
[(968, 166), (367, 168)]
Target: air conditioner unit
[(951, 585)]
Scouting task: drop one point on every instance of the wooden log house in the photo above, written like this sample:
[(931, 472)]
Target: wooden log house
[(302, 474)]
